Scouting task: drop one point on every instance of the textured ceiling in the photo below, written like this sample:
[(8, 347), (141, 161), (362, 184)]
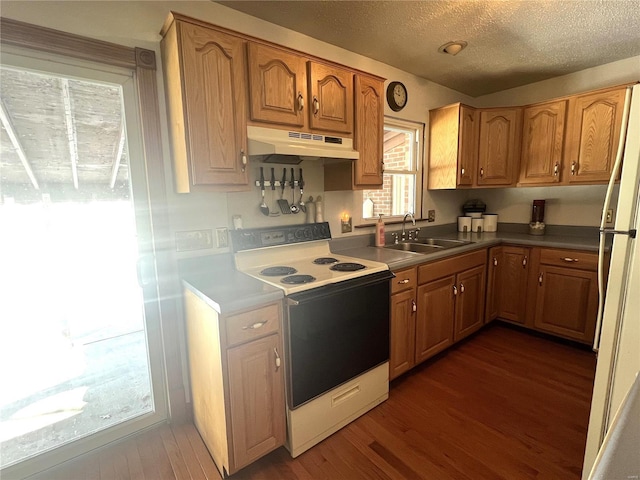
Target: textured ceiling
[(511, 42)]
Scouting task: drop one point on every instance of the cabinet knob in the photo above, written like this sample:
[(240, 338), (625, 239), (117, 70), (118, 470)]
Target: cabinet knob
[(243, 159), (462, 171), (255, 326), (574, 166), (462, 288), (278, 361), (540, 279), (414, 307), (300, 102), (524, 262), (568, 259), (455, 290), (495, 262), (481, 172), (382, 165), (316, 105), (403, 282), (555, 169)]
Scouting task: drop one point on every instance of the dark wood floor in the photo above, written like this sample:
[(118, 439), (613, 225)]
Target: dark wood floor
[(503, 405)]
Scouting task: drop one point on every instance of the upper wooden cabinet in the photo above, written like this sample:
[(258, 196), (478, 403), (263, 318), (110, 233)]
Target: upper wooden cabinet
[(206, 97), (593, 134), (453, 147), (277, 85), (499, 146), (331, 102), (543, 128), (368, 137)]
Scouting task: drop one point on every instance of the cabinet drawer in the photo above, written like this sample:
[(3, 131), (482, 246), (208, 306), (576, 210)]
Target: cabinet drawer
[(253, 324), (569, 258), (442, 268), (405, 279)]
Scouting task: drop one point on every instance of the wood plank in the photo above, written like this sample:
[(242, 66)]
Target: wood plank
[(174, 454)]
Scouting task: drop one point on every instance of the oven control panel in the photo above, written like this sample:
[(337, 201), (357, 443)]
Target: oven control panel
[(252, 238)]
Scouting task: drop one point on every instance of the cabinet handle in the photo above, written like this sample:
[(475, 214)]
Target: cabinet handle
[(462, 171), (462, 288), (481, 172), (382, 163), (255, 326), (495, 262), (243, 158), (403, 282), (569, 260), (316, 105), (573, 168), (455, 290), (414, 307), (300, 102), (540, 279), (275, 351), (555, 169), (524, 262)]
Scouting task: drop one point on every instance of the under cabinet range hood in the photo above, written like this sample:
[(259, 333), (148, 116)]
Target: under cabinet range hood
[(287, 146)]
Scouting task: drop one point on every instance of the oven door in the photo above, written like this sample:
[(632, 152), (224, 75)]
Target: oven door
[(335, 333)]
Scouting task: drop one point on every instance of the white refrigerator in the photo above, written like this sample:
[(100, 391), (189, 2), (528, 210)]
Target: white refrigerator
[(618, 331)]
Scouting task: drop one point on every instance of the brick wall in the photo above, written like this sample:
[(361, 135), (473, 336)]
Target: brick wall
[(395, 159)]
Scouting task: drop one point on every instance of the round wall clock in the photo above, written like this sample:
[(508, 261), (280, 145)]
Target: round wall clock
[(396, 96)]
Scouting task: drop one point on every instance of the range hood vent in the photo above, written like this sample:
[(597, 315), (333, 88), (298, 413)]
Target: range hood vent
[(274, 144)]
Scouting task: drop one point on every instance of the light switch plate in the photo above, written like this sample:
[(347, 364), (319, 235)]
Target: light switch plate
[(432, 216), (221, 237)]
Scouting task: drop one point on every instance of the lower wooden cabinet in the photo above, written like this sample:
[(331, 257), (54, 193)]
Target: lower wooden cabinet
[(237, 381), (507, 286), (403, 322), (566, 294), (436, 310)]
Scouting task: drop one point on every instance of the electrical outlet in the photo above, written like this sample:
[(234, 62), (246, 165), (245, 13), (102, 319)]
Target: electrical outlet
[(431, 216), (610, 216), (221, 237), (194, 240)]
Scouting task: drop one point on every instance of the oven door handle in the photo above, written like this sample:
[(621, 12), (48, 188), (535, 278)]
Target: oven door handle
[(340, 287)]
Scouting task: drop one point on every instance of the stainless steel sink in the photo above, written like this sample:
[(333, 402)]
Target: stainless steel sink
[(427, 245)]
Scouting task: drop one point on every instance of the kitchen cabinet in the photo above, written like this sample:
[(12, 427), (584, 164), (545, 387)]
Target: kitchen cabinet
[(542, 143), (451, 300), (277, 85), (507, 286), (331, 98), (499, 146), (593, 131), (206, 99), (566, 293), (453, 147), (237, 381), (403, 322)]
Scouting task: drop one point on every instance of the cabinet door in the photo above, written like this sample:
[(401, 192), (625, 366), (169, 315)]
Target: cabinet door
[(499, 147), (215, 98), (567, 302), (403, 333), (494, 270), (434, 322), (512, 286), (469, 309), (592, 136), (256, 397), (467, 146), (542, 143), (331, 102), (277, 85), (369, 131)]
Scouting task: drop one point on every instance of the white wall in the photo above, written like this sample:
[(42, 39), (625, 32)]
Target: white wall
[(575, 205)]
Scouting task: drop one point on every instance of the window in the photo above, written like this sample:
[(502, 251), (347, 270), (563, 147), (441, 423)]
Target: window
[(401, 186)]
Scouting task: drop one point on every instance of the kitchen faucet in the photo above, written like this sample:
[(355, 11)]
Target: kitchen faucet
[(404, 220)]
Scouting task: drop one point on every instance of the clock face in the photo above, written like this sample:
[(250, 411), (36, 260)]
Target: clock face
[(396, 96)]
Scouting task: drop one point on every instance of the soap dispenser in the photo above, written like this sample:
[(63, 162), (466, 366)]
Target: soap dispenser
[(379, 232)]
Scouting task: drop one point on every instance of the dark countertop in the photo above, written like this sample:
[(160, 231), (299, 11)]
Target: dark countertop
[(215, 280), (571, 238)]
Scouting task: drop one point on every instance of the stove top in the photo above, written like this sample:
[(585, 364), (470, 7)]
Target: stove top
[(299, 266)]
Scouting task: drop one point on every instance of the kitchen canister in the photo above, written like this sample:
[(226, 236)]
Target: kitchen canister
[(477, 225), (490, 222), (464, 224)]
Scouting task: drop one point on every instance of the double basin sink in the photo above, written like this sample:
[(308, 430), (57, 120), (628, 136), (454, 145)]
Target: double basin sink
[(427, 245)]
